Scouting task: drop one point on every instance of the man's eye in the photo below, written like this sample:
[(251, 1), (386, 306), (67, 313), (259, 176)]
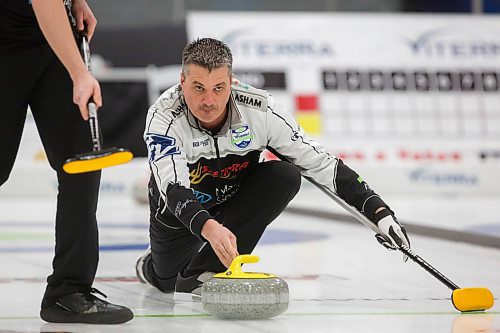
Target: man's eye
[(219, 88), (198, 88)]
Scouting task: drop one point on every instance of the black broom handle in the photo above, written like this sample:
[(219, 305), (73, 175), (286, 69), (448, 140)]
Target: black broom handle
[(363, 219), (428, 267), (93, 122)]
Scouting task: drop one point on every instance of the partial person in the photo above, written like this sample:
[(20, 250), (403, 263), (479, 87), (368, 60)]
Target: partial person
[(210, 195), (41, 67)]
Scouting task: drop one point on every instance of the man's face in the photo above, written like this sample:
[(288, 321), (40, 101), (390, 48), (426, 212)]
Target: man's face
[(206, 94)]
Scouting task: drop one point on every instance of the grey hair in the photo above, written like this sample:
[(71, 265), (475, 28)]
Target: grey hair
[(208, 53)]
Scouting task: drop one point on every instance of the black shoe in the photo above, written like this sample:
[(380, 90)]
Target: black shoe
[(192, 284), (86, 308)]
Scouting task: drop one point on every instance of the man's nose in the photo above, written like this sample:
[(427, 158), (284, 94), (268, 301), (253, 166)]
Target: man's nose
[(208, 98)]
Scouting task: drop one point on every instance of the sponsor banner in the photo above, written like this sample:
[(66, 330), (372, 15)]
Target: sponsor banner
[(37, 179), (263, 40), (430, 180), (413, 179), (395, 76)]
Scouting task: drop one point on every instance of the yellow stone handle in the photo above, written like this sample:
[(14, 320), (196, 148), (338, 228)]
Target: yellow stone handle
[(235, 266), (235, 272)]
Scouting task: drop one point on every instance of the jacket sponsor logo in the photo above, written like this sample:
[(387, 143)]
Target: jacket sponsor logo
[(160, 146), (241, 137), (197, 175), (422, 175), (201, 143), (226, 193), (179, 208), (252, 101), (179, 109), (202, 197)]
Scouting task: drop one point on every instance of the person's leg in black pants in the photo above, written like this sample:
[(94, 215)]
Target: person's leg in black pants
[(172, 246), (64, 134), (37, 78), (171, 252), (262, 196)]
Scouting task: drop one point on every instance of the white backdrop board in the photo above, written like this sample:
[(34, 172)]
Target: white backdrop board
[(406, 91)]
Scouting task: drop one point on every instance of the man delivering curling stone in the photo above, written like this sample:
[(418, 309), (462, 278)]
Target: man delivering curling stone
[(210, 197)]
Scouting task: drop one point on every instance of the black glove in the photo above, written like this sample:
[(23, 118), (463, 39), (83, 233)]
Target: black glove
[(395, 233)]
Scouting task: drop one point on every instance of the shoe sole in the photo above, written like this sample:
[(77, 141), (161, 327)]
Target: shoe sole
[(58, 316)]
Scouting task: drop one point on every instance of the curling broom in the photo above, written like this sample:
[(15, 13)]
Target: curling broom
[(99, 158), (463, 299)]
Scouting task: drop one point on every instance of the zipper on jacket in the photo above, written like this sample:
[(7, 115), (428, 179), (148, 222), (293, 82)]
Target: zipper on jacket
[(216, 144), (217, 179)]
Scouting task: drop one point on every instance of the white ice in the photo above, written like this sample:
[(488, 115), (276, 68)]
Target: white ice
[(342, 280)]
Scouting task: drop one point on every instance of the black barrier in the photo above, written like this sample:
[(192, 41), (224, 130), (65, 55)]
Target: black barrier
[(158, 45), (123, 115)]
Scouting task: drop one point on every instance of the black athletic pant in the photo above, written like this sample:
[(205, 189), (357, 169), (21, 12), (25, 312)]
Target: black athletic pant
[(262, 196), (34, 76)]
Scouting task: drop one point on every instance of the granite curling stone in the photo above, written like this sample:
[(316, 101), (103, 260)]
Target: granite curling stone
[(235, 294)]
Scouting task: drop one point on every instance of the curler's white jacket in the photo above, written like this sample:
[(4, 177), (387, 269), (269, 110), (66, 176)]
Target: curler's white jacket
[(194, 169)]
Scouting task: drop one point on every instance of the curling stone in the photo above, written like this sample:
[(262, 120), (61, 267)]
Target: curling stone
[(235, 294)]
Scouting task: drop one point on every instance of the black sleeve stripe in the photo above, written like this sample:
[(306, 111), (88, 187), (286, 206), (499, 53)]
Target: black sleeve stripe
[(157, 173), (294, 131), (175, 170), (152, 163), (172, 156), (169, 125), (335, 176), (152, 117)]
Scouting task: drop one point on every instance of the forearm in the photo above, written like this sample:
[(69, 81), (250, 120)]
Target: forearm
[(183, 204), (54, 23), (209, 228), (356, 192)]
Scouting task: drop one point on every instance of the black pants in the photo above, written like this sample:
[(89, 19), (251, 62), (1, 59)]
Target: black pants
[(35, 77), (262, 196)]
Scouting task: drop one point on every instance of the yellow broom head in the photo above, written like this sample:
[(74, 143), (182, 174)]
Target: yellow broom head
[(472, 299), (97, 160)]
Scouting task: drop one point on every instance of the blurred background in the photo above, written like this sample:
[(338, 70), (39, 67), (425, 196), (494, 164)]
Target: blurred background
[(405, 92)]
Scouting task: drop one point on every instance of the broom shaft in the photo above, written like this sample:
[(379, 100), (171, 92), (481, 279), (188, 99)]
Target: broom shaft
[(94, 127), (428, 267), (356, 213), (93, 122), (406, 250)]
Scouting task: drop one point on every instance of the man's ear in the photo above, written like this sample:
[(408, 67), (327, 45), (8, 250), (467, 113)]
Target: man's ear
[(234, 80), (183, 78)]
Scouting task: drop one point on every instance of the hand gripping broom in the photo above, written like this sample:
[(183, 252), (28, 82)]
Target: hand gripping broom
[(99, 158)]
